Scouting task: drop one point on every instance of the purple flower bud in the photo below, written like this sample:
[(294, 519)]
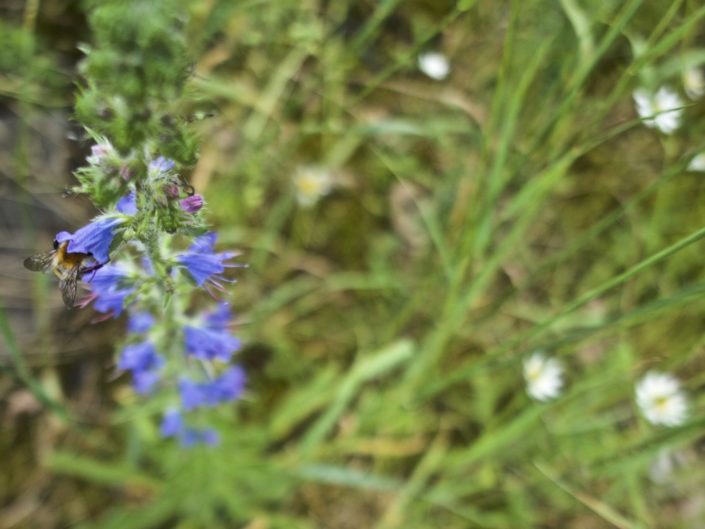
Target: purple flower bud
[(171, 190), (125, 172), (99, 152), (192, 204)]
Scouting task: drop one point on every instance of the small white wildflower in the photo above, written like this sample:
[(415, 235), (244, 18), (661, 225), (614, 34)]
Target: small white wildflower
[(697, 163), (544, 377), (434, 64), (661, 110), (661, 400), (694, 83), (312, 183), (664, 467)]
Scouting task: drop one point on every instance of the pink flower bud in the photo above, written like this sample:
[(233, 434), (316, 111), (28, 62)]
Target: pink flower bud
[(171, 190), (192, 204), (126, 172)]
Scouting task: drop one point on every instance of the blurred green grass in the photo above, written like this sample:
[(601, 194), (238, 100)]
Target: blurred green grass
[(518, 205)]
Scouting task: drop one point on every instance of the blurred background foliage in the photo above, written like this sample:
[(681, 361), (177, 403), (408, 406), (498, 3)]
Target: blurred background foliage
[(517, 205)]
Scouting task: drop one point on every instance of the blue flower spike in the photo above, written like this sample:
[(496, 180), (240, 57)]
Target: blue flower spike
[(185, 358)]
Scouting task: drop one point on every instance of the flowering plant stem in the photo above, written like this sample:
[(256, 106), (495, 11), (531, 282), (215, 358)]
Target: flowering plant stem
[(130, 257)]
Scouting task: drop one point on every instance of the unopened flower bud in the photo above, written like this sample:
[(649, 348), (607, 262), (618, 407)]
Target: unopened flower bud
[(171, 190), (125, 172), (192, 204)]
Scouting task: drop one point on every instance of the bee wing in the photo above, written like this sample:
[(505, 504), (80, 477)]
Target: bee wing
[(40, 262), (68, 285)]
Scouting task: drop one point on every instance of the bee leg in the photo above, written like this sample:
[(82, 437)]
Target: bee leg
[(92, 269)]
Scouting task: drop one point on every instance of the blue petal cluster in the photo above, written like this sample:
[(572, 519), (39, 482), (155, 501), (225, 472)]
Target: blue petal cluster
[(211, 340), (159, 166), (93, 239), (203, 263), (226, 387), (140, 322), (207, 340), (110, 286), (144, 362), (173, 426), (142, 288)]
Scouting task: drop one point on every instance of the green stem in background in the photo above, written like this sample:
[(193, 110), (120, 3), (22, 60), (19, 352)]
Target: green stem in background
[(463, 371)]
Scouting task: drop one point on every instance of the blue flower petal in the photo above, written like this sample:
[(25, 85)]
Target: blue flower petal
[(140, 322), (201, 266), (94, 238), (228, 386), (127, 204), (172, 423), (191, 437), (144, 381), (161, 165), (208, 344), (140, 357), (110, 286), (192, 395), (220, 317), (112, 302), (204, 243)]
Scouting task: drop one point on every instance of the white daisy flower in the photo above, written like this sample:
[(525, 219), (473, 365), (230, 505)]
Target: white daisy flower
[(661, 110), (697, 163), (544, 377), (434, 64), (312, 183), (661, 400), (694, 83)]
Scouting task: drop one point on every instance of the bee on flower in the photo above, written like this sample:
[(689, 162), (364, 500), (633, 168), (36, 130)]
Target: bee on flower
[(311, 183), (661, 400), (434, 64), (544, 377), (77, 254), (661, 110)]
